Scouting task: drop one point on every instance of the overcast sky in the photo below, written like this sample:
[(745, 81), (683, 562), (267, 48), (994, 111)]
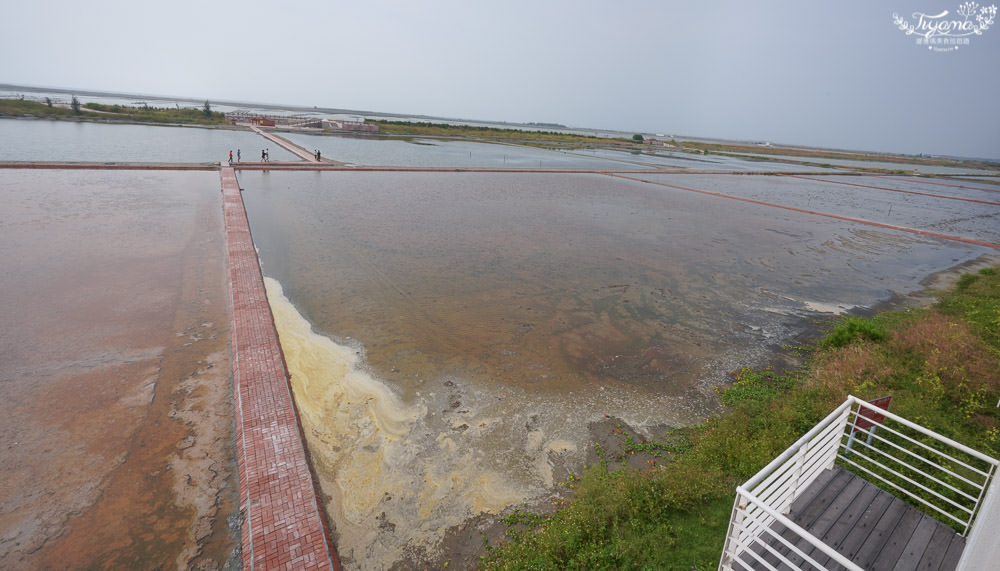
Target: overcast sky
[(834, 74)]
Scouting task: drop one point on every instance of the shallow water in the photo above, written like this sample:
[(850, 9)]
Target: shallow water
[(502, 313), (661, 156), (50, 140), (426, 152), (114, 376), (875, 164), (868, 198)]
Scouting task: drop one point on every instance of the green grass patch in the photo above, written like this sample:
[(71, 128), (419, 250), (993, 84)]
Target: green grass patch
[(21, 107), (941, 365), (966, 303), (146, 114), (759, 386), (853, 329)]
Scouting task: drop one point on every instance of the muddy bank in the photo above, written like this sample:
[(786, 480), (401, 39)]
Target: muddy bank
[(462, 545), (114, 370)]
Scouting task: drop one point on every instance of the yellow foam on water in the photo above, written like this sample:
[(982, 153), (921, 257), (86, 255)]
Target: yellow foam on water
[(377, 457)]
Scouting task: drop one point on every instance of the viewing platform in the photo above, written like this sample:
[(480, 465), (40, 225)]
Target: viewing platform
[(806, 510)]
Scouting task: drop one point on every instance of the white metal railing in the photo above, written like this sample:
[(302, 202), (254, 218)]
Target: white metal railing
[(944, 477)]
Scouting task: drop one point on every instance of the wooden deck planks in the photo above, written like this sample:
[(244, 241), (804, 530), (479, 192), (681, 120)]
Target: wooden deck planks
[(868, 525), (867, 552)]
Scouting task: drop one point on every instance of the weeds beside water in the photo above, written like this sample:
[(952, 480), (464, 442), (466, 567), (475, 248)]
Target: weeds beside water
[(941, 365)]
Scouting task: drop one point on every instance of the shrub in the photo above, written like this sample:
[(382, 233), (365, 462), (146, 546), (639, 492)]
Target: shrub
[(965, 280), (753, 385), (851, 329)]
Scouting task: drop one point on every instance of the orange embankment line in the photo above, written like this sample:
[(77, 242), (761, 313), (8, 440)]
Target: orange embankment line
[(917, 192), (815, 212), (283, 523), (110, 166), (923, 180)]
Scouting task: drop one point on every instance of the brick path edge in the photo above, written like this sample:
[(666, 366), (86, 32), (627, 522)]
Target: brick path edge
[(283, 522)]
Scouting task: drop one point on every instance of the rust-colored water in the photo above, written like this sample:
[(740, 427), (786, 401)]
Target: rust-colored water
[(114, 371)]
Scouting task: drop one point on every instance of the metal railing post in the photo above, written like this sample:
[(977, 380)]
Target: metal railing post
[(736, 519), (979, 501), (796, 477)]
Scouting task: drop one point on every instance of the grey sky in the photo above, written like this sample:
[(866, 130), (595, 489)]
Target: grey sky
[(834, 74)]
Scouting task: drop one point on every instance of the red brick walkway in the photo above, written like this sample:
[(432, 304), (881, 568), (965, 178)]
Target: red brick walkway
[(283, 527), (291, 147)]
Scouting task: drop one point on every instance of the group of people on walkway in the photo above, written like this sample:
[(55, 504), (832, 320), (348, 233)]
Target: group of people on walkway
[(265, 155)]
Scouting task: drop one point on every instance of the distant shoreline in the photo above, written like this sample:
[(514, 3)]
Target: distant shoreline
[(206, 118), (700, 143)]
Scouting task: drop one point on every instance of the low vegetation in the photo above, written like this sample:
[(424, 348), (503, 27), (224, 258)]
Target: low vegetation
[(98, 112), (941, 365), (447, 130), (814, 157), (145, 113), (22, 107)]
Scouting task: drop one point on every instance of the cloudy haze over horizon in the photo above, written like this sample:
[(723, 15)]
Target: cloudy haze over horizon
[(836, 74)]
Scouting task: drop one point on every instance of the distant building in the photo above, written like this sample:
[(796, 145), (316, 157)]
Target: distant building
[(245, 118), (291, 122), (342, 125)]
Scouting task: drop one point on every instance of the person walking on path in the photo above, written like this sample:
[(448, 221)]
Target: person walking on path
[(263, 155), (238, 159), (230, 156)]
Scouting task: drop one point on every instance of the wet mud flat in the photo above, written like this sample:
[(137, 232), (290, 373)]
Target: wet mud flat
[(458, 341), (114, 372)]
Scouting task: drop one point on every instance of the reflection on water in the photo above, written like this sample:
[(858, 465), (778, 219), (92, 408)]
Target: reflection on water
[(49, 140), (502, 313), (875, 164), (419, 152), (114, 377), (860, 197), (663, 157)]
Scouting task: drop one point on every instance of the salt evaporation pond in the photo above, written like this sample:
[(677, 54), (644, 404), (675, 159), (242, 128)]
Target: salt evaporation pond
[(876, 164), (452, 335), (70, 141), (950, 211), (430, 152), (660, 157), (114, 371)]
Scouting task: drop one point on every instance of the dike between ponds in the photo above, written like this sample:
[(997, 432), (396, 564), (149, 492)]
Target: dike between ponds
[(283, 523)]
